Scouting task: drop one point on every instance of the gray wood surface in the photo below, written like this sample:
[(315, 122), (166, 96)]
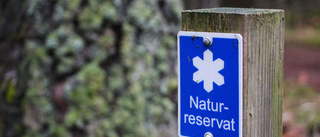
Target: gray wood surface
[(263, 42)]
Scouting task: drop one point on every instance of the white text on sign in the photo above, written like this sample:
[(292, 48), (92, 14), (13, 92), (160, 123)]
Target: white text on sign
[(206, 121)]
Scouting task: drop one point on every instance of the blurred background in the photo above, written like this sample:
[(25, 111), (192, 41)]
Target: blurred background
[(108, 67)]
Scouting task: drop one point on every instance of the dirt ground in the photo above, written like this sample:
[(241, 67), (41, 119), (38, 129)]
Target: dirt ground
[(302, 65)]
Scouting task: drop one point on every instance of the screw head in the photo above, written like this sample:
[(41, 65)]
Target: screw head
[(207, 41), (208, 134)]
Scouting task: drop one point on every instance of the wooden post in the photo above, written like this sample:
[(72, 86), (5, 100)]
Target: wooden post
[(263, 41)]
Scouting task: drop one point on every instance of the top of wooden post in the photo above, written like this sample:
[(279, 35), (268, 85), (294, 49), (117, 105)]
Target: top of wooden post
[(229, 20), (242, 11)]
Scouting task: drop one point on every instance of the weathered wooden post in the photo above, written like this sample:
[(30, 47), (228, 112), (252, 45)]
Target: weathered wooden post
[(263, 42)]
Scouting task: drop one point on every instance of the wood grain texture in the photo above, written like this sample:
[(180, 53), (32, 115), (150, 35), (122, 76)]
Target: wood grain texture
[(263, 42)]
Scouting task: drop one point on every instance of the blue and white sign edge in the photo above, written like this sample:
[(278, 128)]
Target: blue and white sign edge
[(216, 35)]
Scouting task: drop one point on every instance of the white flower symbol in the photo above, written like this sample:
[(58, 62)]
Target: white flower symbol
[(208, 70)]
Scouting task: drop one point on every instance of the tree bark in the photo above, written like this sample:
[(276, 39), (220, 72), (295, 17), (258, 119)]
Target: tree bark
[(88, 68)]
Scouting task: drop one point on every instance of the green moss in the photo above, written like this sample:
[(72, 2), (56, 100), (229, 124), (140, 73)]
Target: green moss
[(72, 4), (90, 19), (65, 41), (11, 92), (106, 46), (58, 131), (106, 90), (128, 46), (115, 79), (109, 11), (89, 98), (92, 16), (73, 118), (91, 78), (173, 84), (140, 12), (64, 65)]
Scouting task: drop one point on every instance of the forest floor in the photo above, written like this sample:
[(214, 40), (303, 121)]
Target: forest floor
[(301, 111)]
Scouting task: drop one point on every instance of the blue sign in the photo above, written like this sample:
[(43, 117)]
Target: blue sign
[(210, 84)]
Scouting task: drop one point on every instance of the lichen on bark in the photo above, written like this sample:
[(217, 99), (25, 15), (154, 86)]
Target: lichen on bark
[(89, 68)]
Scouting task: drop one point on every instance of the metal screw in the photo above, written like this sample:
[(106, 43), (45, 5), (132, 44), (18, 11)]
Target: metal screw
[(207, 41), (208, 134)]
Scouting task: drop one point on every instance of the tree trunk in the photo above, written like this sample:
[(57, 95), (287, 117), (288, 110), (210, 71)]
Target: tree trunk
[(88, 68)]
